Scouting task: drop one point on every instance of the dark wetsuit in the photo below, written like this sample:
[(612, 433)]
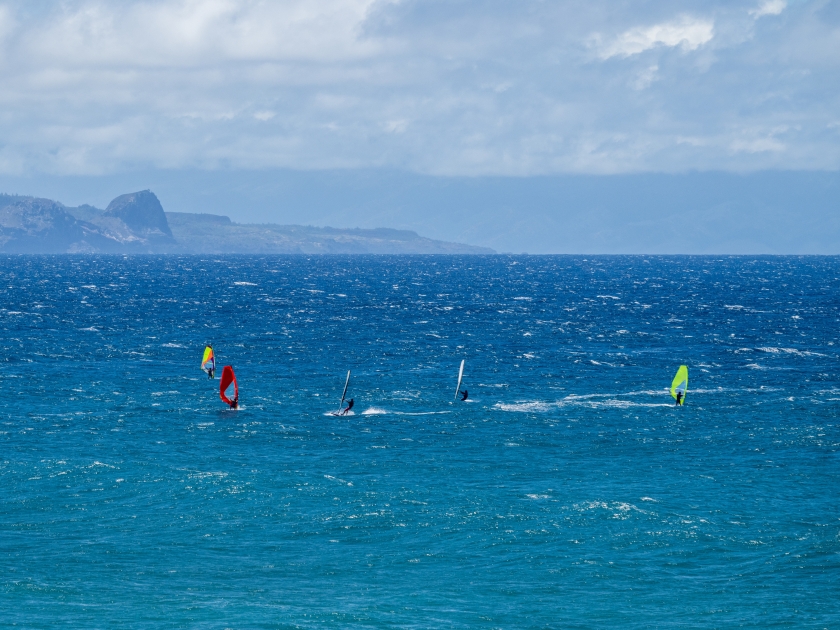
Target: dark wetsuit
[(679, 398), (348, 408), (234, 404), (465, 395), (210, 373)]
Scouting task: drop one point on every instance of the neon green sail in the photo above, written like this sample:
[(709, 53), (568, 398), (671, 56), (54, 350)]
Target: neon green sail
[(680, 384)]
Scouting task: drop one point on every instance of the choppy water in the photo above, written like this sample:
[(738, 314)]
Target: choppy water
[(568, 493)]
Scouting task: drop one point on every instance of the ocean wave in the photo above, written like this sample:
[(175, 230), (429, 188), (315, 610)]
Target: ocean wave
[(794, 351)]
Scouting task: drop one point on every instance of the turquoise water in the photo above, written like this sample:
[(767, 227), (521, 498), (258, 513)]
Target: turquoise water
[(567, 493)]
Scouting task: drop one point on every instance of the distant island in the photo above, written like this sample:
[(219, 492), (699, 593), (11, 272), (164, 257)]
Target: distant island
[(136, 223)]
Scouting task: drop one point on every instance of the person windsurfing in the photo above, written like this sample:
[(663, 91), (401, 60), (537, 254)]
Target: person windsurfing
[(679, 386), (228, 379), (460, 379), (208, 362), (347, 408)]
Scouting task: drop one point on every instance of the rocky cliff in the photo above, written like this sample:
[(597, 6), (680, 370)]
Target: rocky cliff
[(132, 223), (142, 213)]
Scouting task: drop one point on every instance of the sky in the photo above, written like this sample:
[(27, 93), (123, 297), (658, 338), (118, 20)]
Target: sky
[(555, 108)]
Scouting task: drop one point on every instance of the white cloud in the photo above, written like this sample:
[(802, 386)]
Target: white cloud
[(646, 77), (7, 22), (757, 145), (436, 87), (688, 33), (201, 32), (769, 7)]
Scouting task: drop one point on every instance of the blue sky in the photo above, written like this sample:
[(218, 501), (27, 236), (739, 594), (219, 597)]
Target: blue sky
[(526, 97)]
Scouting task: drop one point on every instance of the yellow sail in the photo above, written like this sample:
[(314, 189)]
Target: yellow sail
[(680, 384)]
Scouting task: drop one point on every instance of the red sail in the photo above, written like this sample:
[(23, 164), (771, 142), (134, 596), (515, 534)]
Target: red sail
[(228, 377)]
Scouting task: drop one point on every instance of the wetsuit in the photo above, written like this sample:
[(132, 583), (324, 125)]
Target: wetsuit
[(679, 398), (465, 395), (348, 408)]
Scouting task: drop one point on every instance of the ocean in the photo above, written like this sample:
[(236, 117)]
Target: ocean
[(568, 491)]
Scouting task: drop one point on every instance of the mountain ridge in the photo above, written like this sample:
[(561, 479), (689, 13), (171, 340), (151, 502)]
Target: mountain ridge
[(137, 223)]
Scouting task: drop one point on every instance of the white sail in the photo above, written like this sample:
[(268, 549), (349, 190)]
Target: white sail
[(344, 393), (460, 376)]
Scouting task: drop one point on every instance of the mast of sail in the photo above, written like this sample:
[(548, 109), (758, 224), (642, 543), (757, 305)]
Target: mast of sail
[(460, 376), (680, 383), (344, 393)]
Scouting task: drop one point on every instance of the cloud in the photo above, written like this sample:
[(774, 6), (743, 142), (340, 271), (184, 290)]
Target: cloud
[(186, 33), (449, 88), (646, 77), (769, 7), (688, 33)]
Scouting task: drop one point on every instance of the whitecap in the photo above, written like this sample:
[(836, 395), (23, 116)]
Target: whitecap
[(794, 351), (374, 411)]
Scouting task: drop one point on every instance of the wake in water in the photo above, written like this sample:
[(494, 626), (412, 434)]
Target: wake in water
[(541, 406), (379, 411)]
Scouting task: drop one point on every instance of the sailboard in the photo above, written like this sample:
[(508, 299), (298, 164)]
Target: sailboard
[(209, 360), (343, 394), (228, 379), (460, 378), (680, 383)]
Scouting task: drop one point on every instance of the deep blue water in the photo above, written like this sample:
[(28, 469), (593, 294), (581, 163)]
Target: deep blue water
[(568, 493)]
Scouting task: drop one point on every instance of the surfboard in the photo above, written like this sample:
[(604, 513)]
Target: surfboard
[(680, 383), (343, 395), (460, 377)]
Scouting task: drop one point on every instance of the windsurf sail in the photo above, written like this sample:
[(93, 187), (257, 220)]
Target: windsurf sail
[(228, 379), (460, 377), (209, 360), (344, 393), (680, 383)]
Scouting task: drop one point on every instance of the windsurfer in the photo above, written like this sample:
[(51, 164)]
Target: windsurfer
[(234, 404), (208, 363), (347, 408), (463, 394), (679, 398)]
